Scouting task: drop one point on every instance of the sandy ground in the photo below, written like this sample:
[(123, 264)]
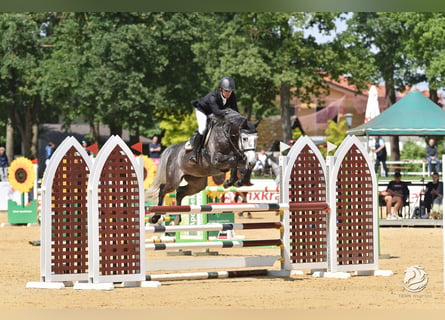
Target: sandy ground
[(404, 246)]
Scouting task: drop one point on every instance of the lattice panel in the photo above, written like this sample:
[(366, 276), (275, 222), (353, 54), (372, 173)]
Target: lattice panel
[(119, 226), (354, 210), (69, 220), (308, 228)]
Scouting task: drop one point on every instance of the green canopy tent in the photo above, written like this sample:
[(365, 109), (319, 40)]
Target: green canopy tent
[(413, 115)]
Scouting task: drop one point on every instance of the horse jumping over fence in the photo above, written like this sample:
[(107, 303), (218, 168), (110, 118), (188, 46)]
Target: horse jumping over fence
[(229, 144)]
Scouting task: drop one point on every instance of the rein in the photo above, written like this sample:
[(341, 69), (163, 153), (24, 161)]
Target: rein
[(239, 152)]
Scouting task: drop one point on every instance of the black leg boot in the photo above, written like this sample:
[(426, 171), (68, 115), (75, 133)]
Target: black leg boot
[(196, 146)]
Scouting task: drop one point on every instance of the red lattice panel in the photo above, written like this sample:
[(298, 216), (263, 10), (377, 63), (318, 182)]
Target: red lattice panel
[(119, 223), (69, 220), (308, 228), (354, 210)]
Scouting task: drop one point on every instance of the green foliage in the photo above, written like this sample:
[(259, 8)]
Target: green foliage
[(335, 134), (412, 150), (22, 52), (130, 70), (178, 129), (296, 133)]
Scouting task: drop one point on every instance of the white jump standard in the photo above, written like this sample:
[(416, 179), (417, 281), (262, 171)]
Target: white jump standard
[(95, 236)]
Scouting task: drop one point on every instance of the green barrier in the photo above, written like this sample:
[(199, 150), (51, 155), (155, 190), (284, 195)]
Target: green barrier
[(18, 214)]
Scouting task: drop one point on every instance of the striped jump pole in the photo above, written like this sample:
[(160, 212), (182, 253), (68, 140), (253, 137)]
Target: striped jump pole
[(218, 208), (241, 189), (161, 240), (221, 244), (207, 275), (214, 227)]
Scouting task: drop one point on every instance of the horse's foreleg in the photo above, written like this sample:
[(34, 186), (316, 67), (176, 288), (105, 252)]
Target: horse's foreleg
[(245, 179), (232, 179)]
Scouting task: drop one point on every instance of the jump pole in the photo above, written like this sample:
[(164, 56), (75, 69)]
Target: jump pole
[(220, 244), (215, 227), (220, 208), (207, 275)]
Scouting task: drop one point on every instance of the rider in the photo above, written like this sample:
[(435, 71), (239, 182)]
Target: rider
[(214, 102)]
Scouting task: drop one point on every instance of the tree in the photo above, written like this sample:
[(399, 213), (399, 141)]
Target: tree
[(118, 69), (178, 130), (22, 51), (382, 34), (424, 48), (335, 134), (270, 56)]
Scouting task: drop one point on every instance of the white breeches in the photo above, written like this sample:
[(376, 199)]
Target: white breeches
[(202, 121)]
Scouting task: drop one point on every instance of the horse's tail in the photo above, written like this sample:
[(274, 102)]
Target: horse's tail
[(152, 193)]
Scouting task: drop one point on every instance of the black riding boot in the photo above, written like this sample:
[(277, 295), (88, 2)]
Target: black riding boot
[(196, 146)]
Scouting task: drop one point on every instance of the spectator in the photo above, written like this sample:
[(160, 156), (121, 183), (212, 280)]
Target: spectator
[(155, 148), (4, 164), (261, 163), (380, 151), (433, 193), (85, 146), (395, 196), (431, 155), (49, 150)]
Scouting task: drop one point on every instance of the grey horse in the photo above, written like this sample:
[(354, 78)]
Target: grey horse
[(230, 143)]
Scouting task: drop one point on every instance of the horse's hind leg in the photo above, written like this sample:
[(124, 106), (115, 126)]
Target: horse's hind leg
[(162, 192), (193, 186)]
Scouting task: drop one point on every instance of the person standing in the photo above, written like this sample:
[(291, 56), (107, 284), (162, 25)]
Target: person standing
[(85, 147), (380, 151), (154, 149), (49, 150), (4, 164), (431, 155)]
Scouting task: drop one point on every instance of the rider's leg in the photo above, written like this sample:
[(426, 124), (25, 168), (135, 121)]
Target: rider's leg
[(202, 124), (196, 146)]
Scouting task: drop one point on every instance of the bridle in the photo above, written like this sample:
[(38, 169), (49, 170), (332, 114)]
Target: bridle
[(230, 137)]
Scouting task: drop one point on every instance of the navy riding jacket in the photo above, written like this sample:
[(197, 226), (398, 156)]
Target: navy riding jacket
[(213, 103)]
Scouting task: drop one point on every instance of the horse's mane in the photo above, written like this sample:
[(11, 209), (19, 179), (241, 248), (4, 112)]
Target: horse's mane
[(234, 118)]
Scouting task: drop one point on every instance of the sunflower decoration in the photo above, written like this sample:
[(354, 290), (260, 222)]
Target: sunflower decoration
[(149, 171), (21, 174)]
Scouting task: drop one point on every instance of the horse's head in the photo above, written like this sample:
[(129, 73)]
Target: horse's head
[(241, 133), (248, 139), (247, 135)]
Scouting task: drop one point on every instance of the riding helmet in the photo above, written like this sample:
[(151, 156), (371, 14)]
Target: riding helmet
[(227, 84)]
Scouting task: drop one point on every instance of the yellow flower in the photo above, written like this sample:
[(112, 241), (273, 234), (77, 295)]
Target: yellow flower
[(149, 171), (21, 174)]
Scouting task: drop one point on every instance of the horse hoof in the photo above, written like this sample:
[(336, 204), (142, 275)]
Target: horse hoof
[(154, 219), (228, 183), (241, 183)]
